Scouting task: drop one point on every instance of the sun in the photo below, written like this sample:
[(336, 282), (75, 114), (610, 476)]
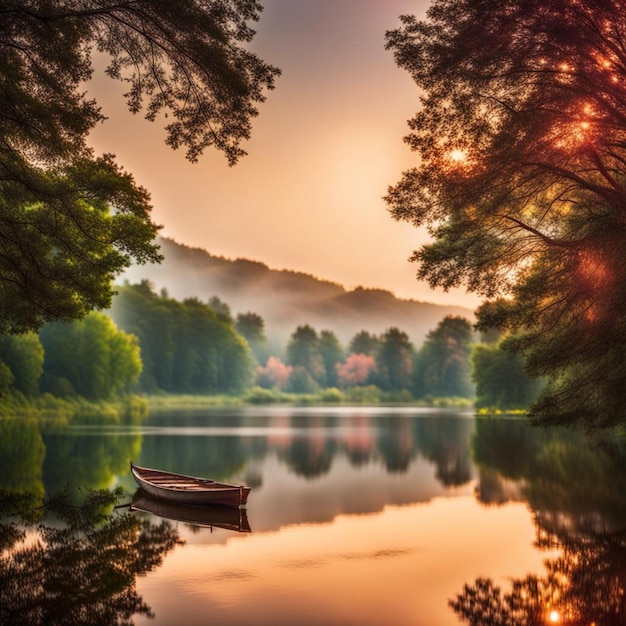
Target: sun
[(457, 155)]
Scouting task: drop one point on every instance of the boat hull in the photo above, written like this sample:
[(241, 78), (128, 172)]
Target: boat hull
[(182, 489)]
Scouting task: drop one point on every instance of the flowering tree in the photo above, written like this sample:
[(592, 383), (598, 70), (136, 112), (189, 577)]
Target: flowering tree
[(274, 374), (355, 370)]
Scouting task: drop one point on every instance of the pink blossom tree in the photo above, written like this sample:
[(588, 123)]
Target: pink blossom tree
[(274, 374), (355, 370)]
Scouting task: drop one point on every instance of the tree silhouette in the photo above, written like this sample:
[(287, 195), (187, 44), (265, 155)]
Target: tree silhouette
[(585, 585), (303, 352)]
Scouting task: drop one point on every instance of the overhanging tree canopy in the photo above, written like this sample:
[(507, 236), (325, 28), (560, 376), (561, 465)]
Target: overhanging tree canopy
[(521, 181), (70, 220)]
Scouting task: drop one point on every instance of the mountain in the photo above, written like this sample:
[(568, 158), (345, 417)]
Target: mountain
[(287, 299)]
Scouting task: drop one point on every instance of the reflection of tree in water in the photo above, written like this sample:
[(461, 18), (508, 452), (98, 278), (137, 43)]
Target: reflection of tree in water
[(394, 440), (93, 461), (446, 441), (79, 569), (310, 457), (396, 444), (586, 584), (22, 452), (359, 442), (200, 455), (574, 486), (358, 457)]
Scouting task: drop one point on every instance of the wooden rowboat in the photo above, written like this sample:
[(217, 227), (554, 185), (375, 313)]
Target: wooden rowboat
[(213, 516), (182, 489)]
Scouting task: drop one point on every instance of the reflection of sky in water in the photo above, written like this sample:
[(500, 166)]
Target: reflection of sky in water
[(399, 566)]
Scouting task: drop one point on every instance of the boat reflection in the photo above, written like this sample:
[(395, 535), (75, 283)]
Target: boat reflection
[(225, 517)]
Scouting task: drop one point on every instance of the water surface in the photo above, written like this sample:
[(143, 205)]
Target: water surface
[(360, 515)]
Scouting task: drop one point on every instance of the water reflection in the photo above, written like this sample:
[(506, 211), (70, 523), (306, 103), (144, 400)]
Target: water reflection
[(574, 486), (309, 443), (78, 564), (585, 585), (396, 500), (309, 465), (22, 452), (226, 517), (74, 461)]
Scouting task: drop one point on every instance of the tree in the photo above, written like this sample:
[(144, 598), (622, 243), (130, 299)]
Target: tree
[(221, 308), (303, 350), (301, 381), (186, 346), (394, 361), (500, 379), (70, 221), (522, 179), (23, 355), (364, 343), (252, 328), (355, 370), (274, 374), (331, 353), (442, 366), (90, 357)]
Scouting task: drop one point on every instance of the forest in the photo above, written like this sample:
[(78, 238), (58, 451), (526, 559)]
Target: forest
[(150, 344), (520, 185)]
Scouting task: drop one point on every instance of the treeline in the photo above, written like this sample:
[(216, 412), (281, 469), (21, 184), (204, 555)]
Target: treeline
[(151, 343), (90, 358), (186, 347), (449, 364)]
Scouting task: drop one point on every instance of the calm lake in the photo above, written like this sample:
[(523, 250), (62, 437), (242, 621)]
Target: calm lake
[(357, 516)]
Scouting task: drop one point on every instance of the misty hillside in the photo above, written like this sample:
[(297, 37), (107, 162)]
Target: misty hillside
[(287, 299)]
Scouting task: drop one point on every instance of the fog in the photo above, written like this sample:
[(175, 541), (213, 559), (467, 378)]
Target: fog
[(287, 299)]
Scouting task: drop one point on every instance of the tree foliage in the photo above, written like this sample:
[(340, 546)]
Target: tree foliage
[(522, 181), (186, 347), (275, 374), (364, 343), (394, 360), (90, 357), (500, 379), (442, 365), (356, 370), (251, 327), (70, 221), (24, 356), (331, 353), (303, 351)]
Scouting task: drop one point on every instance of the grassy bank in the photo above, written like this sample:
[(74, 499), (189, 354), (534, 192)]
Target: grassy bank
[(363, 396), (129, 410)]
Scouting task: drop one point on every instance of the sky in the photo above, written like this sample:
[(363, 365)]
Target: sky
[(327, 144)]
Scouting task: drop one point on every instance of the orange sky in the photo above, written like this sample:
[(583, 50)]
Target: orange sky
[(325, 147)]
